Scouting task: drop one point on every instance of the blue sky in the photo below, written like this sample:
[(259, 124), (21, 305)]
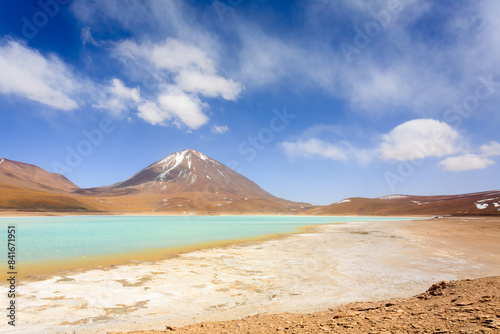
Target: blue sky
[(313, 100)]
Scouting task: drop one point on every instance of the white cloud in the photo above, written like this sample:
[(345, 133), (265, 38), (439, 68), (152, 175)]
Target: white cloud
[(186, 108), (208, 85), (466, 162), (117, 98), (184, 73), (176, 56), (219, 129), (471, 161), (44, 79), (491, 149), (152, 114), (119, 90), (174, 105), (418, 139), (314, 148)]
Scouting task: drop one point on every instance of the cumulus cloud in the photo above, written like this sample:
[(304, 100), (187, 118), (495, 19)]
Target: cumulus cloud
[(471, 161), (48, 80), (418, 139), (466, 162), (491, 149), (29, 74), (186, 108), (412, 140), (185, 73), (152, 114)]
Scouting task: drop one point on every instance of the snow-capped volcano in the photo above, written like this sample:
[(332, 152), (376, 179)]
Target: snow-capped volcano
[(192, 171)]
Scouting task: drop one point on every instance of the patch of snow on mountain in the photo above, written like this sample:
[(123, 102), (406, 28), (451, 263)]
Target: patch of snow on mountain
[(1, 161), (394, 197), (343, 201), (420, 203), (497, 205), (481, 206), (167, 164), (486, 200)]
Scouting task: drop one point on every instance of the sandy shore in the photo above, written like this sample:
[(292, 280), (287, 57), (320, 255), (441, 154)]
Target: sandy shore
[(306, 272)]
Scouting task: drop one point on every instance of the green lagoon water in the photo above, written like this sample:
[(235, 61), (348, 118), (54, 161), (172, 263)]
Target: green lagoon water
[(48, 239)]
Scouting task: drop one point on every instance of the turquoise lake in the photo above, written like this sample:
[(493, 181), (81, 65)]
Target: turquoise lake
[(42, 239)]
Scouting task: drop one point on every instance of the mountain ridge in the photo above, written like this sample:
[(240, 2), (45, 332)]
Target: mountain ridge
[(478, 203), (189, 182)]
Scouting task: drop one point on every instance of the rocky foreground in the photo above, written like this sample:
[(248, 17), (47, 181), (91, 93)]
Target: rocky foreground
[(466, 306)]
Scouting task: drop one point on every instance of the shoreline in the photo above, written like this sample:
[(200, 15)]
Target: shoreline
[(303, 273), (21, 214), (39, 271)]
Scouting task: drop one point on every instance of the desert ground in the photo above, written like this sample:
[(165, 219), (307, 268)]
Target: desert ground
[(279, 284)]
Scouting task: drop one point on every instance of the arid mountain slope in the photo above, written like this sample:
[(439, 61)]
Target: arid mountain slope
[(30, 188), (190, 181), (192, 171), (183, 182), (482, 203), (29, 176)]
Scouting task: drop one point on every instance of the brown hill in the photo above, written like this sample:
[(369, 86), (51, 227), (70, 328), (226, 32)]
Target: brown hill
[(482, 203), (27, 187), (32, 177)]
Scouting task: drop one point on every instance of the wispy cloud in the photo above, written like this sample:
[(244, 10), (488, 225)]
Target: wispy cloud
[(314, 148), (87, 38), (118, 99), (29, 74), (327, 142), (404, 69), (219, 129)]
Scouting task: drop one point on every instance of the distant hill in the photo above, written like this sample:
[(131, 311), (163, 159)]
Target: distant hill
[(482, 203), (27, 187), (32, 177)]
